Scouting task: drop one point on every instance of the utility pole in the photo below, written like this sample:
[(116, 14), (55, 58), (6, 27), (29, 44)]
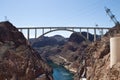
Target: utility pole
[(112, 17)]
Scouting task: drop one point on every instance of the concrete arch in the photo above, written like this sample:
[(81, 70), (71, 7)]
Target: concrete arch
[(63, 30)]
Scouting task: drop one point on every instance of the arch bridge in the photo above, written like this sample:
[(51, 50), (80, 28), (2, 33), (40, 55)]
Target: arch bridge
[(93, 30)]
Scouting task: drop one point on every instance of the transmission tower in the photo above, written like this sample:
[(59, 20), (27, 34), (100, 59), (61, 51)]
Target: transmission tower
[(112, 17)]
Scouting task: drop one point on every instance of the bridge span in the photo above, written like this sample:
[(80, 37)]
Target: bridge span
[(93, 30)]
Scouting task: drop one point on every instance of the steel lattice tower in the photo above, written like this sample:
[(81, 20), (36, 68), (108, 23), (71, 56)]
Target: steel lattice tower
[(112, 17)]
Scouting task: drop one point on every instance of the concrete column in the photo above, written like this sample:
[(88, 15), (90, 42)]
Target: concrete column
[(80, 30), (43, 31), (35, 33), (28, 34), (20, 30), (102, 33), (88, 34), (73, 29), (50, 29), (114, 50), (94, 34)]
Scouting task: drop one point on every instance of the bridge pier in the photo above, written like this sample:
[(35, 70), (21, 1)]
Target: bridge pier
[(73, 29), (80, 30), (50, 29), (101, 32), (35, 33), (94, 34), (87, 33), (42, 30), (28, 36)]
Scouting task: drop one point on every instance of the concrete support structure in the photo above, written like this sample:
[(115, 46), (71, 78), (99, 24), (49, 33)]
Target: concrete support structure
[(28, 34), (51, 29), (94, 34), (114, 50), (88, 34), (80, 30), (43, 31), (73, 29), (35, 33), (101, 32)]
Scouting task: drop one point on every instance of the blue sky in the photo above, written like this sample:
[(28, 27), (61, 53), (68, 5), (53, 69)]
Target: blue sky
[(59, 12)]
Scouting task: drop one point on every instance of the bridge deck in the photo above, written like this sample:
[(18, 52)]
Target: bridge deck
[(63, 27)]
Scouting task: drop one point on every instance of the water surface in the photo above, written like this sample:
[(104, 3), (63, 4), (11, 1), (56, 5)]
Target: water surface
[(60, 73)]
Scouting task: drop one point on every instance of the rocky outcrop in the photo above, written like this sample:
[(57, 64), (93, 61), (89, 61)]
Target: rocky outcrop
[(18, 61), (97, 59), (8, 32), (48, 41), (115, 72), (80, 37)]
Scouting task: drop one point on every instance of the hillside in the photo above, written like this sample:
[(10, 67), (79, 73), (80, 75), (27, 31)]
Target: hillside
[(18, 60), (96, 64)]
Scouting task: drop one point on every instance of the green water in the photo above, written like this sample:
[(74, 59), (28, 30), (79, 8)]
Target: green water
[(60, 73)]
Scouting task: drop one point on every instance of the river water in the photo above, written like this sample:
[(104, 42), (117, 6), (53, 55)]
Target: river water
[(60, 73)]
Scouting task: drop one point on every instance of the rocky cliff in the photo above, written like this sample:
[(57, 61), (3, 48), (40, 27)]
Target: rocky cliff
[(96, 64), (68, 54), (18, 61)]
